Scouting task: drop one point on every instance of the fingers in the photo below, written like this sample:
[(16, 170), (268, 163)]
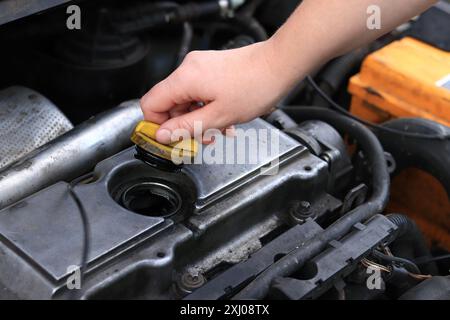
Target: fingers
[(165, 96), (192, 123), (156, 117), (156, 101), (178, 102), (179, 110)]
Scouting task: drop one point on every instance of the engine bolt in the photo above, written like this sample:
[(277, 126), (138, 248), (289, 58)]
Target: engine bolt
[(300, 211), (188, 282), (305, 207)]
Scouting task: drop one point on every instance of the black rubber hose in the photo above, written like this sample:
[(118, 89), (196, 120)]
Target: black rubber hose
[(432, 156), (162, 13), (251, 26), (410, 237), (158, 12), (404, 224), (238, 42), (280, 120), (372, 149), (295, 91), (336, 72)]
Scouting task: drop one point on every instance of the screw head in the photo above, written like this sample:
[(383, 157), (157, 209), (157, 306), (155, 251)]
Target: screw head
[(188, 282), (300, 211), (304, 206)]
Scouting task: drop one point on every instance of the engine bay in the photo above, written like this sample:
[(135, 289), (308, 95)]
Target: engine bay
[(352, 204)]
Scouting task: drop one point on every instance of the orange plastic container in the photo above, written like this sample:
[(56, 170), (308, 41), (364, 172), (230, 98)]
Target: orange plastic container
[(408, 78)]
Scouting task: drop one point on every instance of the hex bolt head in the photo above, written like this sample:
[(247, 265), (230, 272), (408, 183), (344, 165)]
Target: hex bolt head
[(188, 282), (300, 211), (304, 207)]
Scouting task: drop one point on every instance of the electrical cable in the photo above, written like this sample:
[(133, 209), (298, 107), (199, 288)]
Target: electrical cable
[(411, 266), (374, 126), (369, 263), (425, 260), (420, 276), (85, 224)]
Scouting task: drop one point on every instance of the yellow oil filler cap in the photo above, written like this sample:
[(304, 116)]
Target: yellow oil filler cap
[(166, 157)]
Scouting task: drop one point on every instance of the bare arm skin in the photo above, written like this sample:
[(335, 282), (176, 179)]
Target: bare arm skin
[(241, 84)]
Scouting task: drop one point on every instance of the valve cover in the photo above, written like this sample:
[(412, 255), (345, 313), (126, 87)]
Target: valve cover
[(154, 227)]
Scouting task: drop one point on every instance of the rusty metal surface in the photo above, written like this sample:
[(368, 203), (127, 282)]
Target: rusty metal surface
[(27, 121)]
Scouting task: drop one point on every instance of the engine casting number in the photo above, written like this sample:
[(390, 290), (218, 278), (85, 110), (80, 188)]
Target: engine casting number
[(232, 310)]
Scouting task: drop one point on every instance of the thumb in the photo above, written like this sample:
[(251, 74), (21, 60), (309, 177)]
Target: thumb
[(194, 122)]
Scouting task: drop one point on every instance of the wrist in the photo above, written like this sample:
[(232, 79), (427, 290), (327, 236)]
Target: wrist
[(280, 71), (289, 62)]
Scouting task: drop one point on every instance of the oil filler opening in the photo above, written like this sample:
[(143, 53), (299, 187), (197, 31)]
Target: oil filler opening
[(153, 199)]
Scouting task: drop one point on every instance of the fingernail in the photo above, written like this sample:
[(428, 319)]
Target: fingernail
[(163, 136)]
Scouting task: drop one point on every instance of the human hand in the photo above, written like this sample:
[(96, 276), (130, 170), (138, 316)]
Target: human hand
[(235, 86)]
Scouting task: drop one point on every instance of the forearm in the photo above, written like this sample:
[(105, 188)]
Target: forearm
[(240, 84), (320, 30)]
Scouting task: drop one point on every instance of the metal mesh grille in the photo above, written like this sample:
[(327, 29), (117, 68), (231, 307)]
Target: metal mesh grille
[(27, 121)]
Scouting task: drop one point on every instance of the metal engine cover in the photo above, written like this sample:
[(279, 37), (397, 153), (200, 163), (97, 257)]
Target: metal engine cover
[(212, 216)]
